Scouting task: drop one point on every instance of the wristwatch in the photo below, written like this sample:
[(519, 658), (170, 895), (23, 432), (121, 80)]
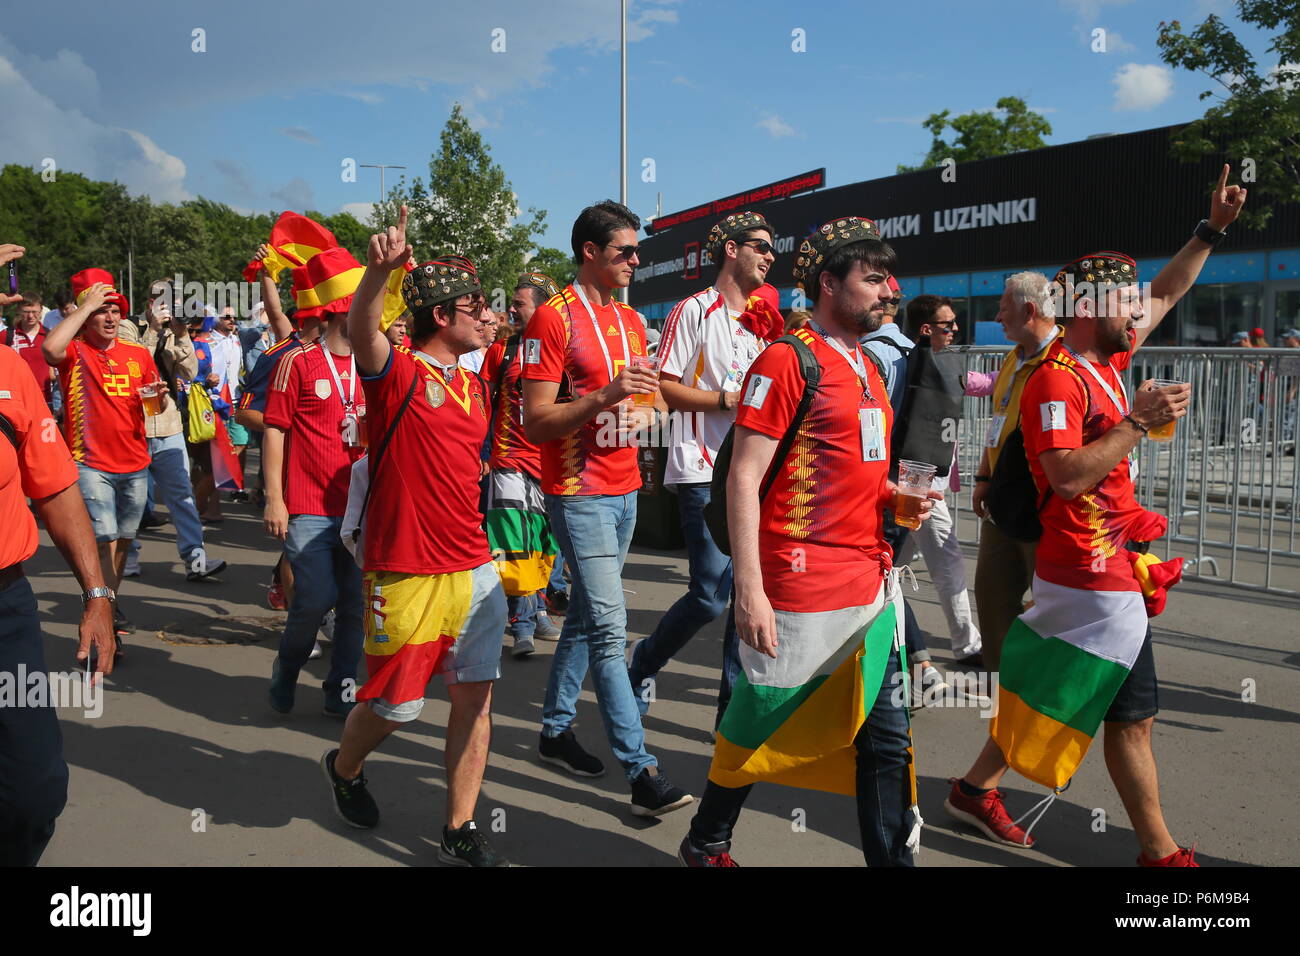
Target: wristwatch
[(1208, 234), (99, 592)]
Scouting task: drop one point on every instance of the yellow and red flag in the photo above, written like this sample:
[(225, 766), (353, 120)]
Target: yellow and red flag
[(294, 240), (327, 281)]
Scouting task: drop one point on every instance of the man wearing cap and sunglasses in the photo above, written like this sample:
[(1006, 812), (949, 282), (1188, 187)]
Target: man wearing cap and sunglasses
[(709, 342), (434, 601)]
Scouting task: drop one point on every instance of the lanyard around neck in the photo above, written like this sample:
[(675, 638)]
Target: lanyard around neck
[(856, 361), (433, 363), (1122, 406), (350, 401), (600, 335)]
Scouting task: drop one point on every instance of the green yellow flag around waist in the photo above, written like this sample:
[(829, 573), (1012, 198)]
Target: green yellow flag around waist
[(518, 532), (798, 729), (1062, 663)]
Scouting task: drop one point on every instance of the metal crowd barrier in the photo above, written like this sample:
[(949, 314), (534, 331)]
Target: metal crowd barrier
[(1228, 480)]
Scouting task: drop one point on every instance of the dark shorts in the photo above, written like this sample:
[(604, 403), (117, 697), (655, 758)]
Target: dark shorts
[(1137, 698)]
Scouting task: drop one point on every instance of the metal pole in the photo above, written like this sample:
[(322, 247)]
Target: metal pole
[(382, 167), (622, 112)]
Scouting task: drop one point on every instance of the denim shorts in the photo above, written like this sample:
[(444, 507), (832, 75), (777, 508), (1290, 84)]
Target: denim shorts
[(115, 502), (1137, 698)]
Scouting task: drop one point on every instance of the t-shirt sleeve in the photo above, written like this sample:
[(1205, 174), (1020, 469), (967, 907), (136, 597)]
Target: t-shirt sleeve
[(544, 346), (282, 396), (492, 361), (45, 463), (772, 391), (385, 390), (1052, 410), (681, 335)]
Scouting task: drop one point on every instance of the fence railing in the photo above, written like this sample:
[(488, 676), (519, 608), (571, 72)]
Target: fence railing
[(1227, 482)]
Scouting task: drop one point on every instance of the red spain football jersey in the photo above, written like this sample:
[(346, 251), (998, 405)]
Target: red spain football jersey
[(307, 401), (103, 415), (511, 448), (1083, 539), (820, 525), (423, 516), (563, 340)]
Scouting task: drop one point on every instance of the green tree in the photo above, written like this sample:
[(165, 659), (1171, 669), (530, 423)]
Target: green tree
[(554, 263), (1012, 128), (1256, 121), (467, 208)]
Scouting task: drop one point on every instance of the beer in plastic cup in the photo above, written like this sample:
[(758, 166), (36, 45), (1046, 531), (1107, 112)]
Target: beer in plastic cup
[(1164, 432), (151, 395), (363, 432), (914, 480), (644, 361)]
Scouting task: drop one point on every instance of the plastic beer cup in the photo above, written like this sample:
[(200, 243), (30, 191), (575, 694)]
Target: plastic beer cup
[(644, 361), (151, 396), (914, 480), (1164, 432)]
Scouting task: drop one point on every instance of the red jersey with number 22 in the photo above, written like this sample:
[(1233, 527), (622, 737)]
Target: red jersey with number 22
[(819, 531), (562, 340), (103, 418)]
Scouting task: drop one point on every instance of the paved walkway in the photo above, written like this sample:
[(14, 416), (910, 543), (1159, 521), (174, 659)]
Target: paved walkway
[(188, 766)]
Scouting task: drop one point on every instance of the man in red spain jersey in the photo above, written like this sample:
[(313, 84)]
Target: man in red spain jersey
[(591, 341), (104, 416), (518, 530), (813, 608), (1080, 427), (434, 602), (315, 416)]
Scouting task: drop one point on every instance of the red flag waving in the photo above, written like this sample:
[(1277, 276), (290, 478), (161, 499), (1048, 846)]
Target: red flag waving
[(762, 314), (294, 240)]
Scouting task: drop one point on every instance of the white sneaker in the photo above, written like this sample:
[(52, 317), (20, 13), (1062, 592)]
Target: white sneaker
[(931, 689), (315, 652), (326, 628)]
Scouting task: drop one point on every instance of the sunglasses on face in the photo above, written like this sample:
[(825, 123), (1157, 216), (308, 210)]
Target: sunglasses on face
[(945, 326), (761, 246), (625, 252)]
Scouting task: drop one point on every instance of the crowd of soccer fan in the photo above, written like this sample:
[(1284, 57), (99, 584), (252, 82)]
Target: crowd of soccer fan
[(440, 477)]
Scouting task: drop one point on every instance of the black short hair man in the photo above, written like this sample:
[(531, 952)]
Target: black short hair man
[(586, 337)]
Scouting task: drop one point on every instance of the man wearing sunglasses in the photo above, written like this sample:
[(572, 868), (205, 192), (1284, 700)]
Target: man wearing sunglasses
[(585, 337), (709, 342)]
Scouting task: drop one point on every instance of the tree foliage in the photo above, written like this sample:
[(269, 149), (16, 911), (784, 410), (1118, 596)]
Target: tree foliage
[(467, 207), (554, 263), (1256, 121), (1012, 128)]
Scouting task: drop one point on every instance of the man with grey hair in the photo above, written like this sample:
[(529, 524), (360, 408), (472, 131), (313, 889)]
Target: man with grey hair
[(1005, 566)]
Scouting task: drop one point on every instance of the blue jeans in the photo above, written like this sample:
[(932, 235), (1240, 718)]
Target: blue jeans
[(115, 502), (325, 576), (557, 581), (704, 600), (33, 776), (170, 470), (883, 785), (523, 615), (594, 532)]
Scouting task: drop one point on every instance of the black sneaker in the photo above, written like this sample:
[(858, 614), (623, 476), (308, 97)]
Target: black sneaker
[(120, 622), (711, 854), (557, 600), (467, 846), (352, 801), (151, 520), (565, 751), (653, 795)]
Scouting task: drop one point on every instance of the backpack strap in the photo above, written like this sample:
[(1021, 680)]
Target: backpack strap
[(10, 432), (811, 370), (383, 447)]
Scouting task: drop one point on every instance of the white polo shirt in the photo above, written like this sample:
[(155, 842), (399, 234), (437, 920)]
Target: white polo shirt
[(705, 345)]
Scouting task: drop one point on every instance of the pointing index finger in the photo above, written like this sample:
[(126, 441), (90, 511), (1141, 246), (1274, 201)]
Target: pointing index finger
[(401, 219), (1223, 178)]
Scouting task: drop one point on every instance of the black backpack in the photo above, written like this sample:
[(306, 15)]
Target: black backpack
[(715, 512), (931, 406)]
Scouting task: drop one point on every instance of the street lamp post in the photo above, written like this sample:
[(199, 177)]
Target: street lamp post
[(383, 195)]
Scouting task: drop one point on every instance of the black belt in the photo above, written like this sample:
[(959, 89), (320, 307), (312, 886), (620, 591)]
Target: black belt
[(10, 574)]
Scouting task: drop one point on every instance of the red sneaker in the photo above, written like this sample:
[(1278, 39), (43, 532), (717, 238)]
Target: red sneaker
[(714, 854), (275, 597), (1179, 857), (987, 814)]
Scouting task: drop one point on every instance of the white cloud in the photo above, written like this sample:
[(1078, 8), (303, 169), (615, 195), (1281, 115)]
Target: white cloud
[(368, 98), (300, 134), (1115, 43), (639, 28), (1142, 86), (362, 210), (36, 127), (775, 126)]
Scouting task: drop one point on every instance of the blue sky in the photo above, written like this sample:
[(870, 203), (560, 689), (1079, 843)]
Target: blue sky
[(717, 96)]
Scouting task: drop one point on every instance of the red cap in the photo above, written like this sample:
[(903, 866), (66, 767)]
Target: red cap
[(1256, 333), (893, 285), (83, 280)]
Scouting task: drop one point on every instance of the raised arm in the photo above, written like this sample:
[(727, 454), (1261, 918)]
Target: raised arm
[(57, 340), (281, 327), (1173, 281), (387, 251)]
